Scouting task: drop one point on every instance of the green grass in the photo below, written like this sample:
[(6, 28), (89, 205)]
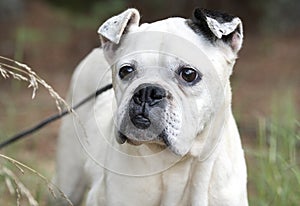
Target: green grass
[(274, 167)]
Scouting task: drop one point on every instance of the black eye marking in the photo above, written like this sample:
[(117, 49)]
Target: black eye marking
[(189, 75), (125, 71)]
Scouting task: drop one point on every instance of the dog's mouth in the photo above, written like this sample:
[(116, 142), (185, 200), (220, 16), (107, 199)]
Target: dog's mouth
[(147, 119), (162, 139), (121, 139)]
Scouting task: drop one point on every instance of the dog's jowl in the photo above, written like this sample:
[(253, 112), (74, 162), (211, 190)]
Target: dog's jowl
[(165, 133)]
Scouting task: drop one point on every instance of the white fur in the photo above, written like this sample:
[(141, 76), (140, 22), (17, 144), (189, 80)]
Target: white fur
[(211, 169)]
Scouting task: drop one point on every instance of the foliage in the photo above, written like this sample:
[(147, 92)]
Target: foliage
[(88, 6), (274, 173), (98, 13), (73, 5)]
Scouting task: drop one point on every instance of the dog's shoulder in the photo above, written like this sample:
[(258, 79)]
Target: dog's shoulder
[(92, 72)]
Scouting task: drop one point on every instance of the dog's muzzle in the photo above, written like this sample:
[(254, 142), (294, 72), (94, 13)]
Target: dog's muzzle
[(145, 98)]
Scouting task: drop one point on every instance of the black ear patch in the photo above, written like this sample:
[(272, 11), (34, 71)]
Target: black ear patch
[(214, 25)]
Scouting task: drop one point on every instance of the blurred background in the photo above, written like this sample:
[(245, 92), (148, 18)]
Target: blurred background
[(52, 36)]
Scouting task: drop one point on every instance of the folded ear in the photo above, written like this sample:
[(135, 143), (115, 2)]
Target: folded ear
[(219, 26), (113, 29)]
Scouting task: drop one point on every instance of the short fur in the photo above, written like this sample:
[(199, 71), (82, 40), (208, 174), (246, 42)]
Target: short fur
[(201, 163)]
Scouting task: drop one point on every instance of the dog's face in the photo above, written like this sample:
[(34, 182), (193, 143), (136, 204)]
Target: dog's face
[(170, 76)]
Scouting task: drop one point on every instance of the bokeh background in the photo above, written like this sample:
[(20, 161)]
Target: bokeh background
[(52, 36)]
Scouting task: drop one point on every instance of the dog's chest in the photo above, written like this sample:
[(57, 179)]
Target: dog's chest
[(166, 188), (122, 190)]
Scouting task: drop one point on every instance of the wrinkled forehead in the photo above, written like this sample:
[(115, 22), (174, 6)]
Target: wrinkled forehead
[(170, 38)]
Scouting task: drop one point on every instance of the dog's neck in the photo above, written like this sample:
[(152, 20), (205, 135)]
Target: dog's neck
[(213, 131)]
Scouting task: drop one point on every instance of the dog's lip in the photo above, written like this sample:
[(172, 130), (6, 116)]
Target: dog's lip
[(163, 139), (135, 143), (121, 139)]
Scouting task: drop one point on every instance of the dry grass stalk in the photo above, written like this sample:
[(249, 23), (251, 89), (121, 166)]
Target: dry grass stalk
[(20, 187), (22, 72), (51, 187), (19, 71)]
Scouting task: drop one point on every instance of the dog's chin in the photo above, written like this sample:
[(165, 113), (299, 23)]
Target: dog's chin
[(162, 143), (121, 139)]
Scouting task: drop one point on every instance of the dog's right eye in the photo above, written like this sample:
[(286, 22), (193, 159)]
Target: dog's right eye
[(125, 71)]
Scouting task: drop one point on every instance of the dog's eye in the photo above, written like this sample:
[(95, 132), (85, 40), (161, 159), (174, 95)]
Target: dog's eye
[(125, 71), (189, 75)]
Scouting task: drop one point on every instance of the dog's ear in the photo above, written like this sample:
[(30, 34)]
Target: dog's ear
[(113, 29), (219, 26)]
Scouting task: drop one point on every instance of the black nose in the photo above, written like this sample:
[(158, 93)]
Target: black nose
[(148, 94), (145, 97)]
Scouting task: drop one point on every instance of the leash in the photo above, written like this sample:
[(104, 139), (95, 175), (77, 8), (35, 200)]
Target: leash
[(52, 118)]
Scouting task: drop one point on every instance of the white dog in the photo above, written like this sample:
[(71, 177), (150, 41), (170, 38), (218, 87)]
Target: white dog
[(165, 133)]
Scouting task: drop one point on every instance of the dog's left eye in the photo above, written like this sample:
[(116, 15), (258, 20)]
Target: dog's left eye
[(189, 75), (125, 71)]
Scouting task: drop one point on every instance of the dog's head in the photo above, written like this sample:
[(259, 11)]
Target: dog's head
[(170, 77)]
